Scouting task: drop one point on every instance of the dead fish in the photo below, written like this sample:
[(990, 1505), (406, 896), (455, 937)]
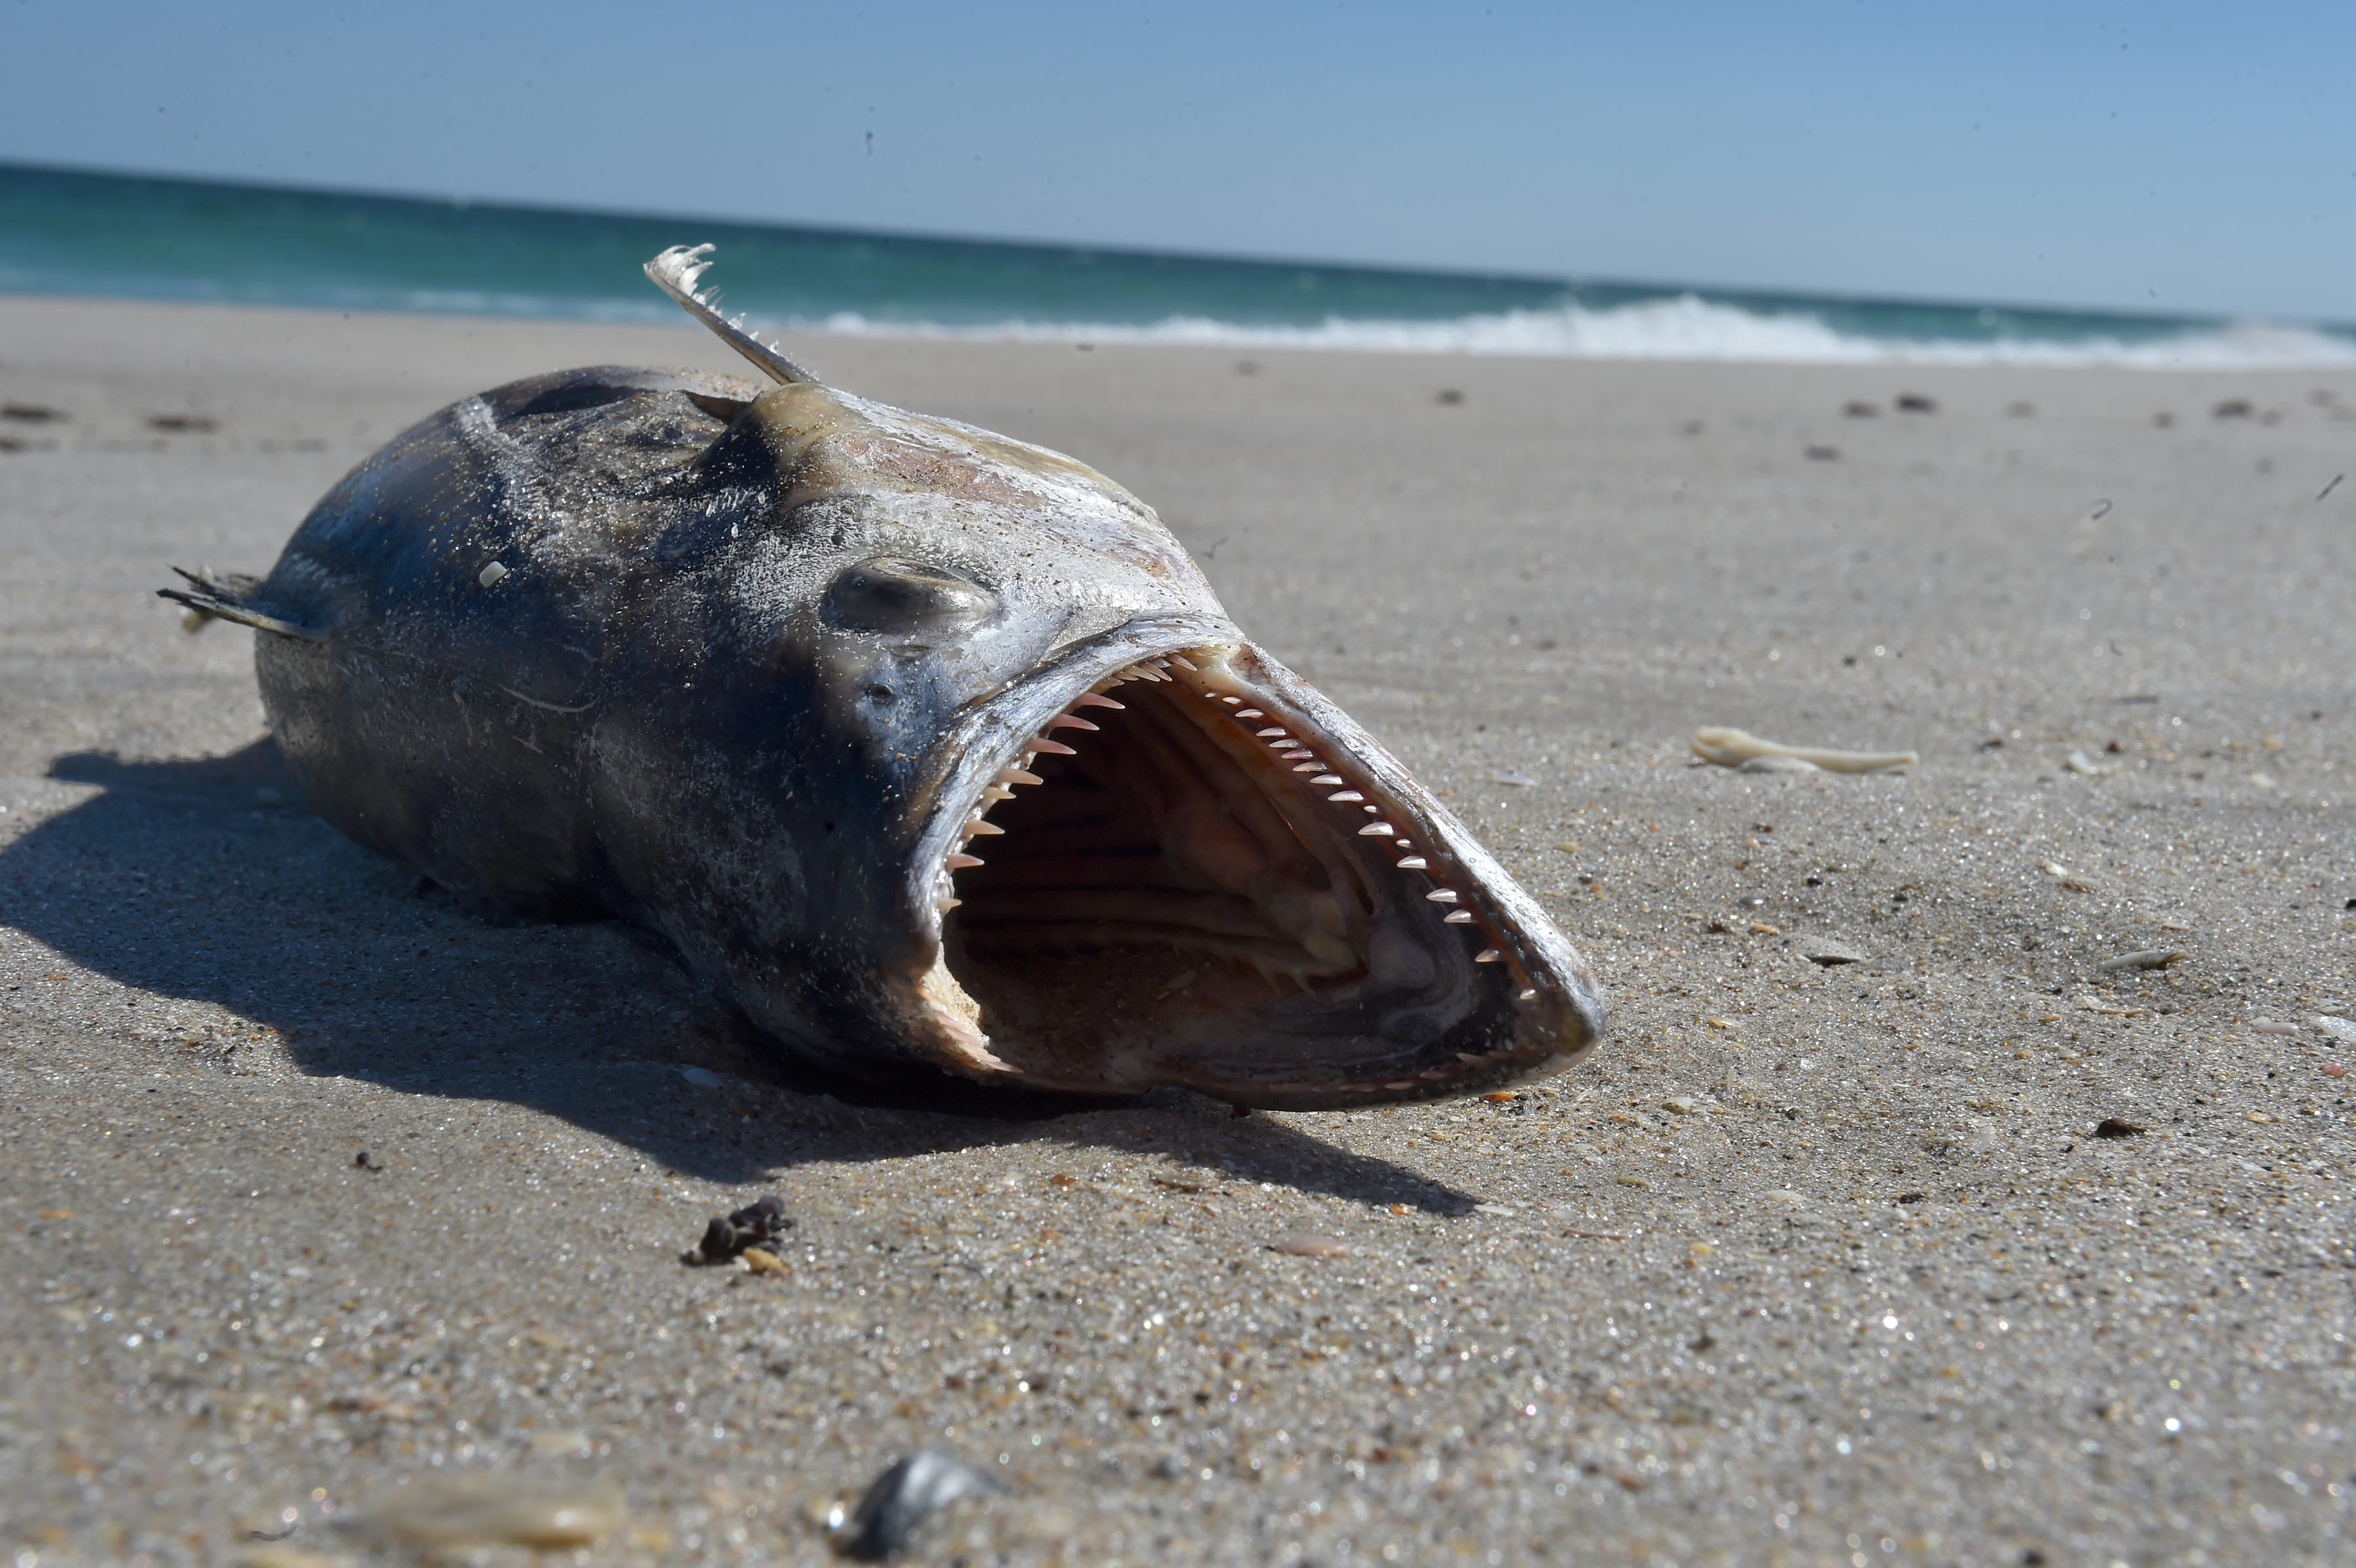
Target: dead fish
[(924, 746)]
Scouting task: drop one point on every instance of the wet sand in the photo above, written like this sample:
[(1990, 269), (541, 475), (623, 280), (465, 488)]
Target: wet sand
[(1810, 1264)]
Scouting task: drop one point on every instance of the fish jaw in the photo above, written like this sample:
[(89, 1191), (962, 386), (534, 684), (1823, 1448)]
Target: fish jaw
[(1161, 857)]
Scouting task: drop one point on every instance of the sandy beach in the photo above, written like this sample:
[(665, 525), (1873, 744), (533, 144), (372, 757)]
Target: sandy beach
[(318, 1191)]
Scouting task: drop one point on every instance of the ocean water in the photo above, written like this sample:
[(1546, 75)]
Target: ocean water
[(71, 233)]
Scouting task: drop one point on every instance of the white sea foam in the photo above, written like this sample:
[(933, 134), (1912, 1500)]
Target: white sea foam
[(1685, 328)]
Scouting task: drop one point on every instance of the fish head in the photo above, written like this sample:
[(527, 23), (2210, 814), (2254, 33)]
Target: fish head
[(1079, 832), (1058, 822)]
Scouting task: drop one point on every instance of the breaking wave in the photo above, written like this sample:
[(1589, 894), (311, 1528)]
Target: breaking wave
[(1685, 326)]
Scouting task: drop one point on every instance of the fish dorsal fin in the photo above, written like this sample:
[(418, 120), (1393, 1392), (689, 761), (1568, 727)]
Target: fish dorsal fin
[(676, 271)]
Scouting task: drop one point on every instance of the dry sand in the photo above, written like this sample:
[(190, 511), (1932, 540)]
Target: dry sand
[(1809, 1265)]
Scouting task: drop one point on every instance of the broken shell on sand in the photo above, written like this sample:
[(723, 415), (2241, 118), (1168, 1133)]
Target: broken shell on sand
[(466, 1512), (1738, 748)]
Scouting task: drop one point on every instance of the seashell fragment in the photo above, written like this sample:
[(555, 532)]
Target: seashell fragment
[(2146, 957), (466, 1512), (1733, 748), (1777, 764), (1825, 952), (902, 1497), (1308, 1245)]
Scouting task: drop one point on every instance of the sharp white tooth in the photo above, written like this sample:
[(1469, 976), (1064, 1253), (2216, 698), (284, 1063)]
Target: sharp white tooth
[(1311, 767), (1460, 918), (1441, 896), (962, 861), (1377, 829), (997, 792), (978, 828), (1272, 729), (1052, 747), (1469, 1056), (1329, 778), (1159, 663), (1182, 662), (1403, 843), (946, 905), (1066, 721), (1351, 795), (1249, 713), (1296, 756), (1488, 955), (1016, 776), (1096, 700), (1231, 702), (1413, 863), (1370, 810), (1531, 996)]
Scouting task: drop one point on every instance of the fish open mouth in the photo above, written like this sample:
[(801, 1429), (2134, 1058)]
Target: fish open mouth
[(1197, 871)]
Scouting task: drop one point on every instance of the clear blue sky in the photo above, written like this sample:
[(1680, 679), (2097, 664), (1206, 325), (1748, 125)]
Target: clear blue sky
[(2177, 157)]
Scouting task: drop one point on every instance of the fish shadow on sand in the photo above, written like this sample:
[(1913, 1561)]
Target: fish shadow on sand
[(207, 882)]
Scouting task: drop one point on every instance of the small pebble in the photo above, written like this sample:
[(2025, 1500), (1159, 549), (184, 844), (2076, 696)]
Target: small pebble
[(489, 575), (2079, 762), (1631, 1181), (2333, 1069), (2117, 1127), (2339, 1029), (1308, 1245), (702, 1077), (1680, 1105), (758, 1262), (1824, 951), (1784, 1197), (2268, 1026), (1510, 776)]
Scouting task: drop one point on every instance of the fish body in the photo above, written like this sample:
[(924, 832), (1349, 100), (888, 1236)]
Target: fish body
[(926, 748)]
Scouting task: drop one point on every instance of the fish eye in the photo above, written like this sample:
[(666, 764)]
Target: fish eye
[(886, 594)]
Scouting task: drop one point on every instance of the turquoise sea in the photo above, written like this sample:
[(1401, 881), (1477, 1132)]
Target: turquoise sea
[(73, 233)]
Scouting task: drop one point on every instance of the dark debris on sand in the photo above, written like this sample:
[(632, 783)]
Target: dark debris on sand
[(754, 1225)]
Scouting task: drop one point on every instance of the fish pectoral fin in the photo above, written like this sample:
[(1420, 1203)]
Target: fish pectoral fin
[(231, 595), (720, 408)]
